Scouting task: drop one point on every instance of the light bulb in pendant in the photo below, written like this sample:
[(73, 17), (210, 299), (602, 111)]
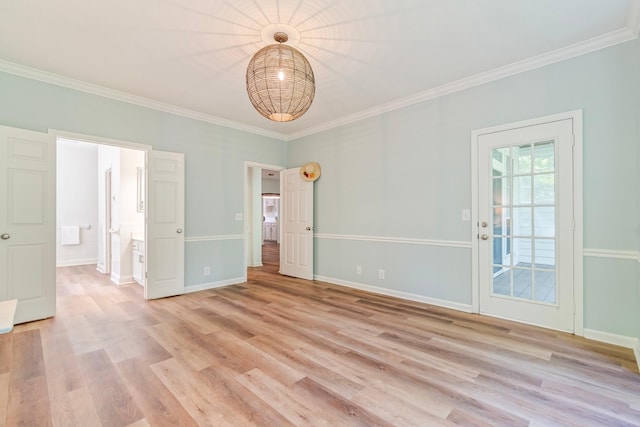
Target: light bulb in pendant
[(281, 75)]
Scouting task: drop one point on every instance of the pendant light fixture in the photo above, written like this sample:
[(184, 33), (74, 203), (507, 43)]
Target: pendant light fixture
[(280, 81)]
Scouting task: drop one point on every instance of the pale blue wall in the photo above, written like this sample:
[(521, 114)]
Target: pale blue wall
[(406, 174), (402, 174), (214, 159)]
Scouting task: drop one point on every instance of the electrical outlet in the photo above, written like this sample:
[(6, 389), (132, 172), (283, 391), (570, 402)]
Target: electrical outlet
[(358, 269), (381, 274), (238, 217), (466, 215), (207, 270)]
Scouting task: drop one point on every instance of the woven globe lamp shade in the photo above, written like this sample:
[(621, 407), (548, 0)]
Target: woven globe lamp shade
[(280, 81)]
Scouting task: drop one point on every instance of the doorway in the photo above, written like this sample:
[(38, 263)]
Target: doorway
[(525, 253), (100, 209), (262, 215)]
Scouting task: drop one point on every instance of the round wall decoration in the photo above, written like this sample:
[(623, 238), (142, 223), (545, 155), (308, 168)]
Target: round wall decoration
[(310, 171)]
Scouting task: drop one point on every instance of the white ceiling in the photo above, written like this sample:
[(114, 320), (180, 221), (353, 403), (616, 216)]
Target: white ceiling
[(190, 56)]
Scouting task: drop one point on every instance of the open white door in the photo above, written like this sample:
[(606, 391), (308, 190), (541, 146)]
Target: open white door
[(165, 225), (296, 243), (27, 222)]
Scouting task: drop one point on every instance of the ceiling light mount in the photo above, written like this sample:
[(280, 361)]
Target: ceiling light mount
[(280, 82), (281, 37)]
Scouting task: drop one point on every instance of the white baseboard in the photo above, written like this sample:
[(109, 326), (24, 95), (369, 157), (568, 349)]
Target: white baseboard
[(399, 294), (213, 285), (615, 339), (122, 280), (72, 262)]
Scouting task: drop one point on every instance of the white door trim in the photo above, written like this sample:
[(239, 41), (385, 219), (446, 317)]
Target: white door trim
[(246, 216), (576, 117)]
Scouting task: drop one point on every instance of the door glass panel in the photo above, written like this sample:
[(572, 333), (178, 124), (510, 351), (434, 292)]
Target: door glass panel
[(545, 254), (544, 189), (544, 157), (502, 280), (522, 283), (545, 286), (522, 222), (522, 155), (501, 161), (522, 250), (501, 251), (501, 191), (501, 222), (522, 190), (523, 232), (544, 222)]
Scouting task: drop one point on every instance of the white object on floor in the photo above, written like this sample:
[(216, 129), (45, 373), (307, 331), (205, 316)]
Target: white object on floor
[(70, 235), (7, 313)]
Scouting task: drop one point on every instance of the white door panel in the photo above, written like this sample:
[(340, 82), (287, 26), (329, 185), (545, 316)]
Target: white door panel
[(525, 249), (27, 222), (165, 225), (296, 252)]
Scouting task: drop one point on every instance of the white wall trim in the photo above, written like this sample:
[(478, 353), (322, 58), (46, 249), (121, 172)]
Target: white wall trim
[(612, 254), (615, 339), (59, 80), (398, 294), (399, 240), (606, 40), (213, 285), (73, 262), (213, 238), (122, 280)]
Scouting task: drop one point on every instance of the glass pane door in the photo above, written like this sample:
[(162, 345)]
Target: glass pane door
[(523, 230)]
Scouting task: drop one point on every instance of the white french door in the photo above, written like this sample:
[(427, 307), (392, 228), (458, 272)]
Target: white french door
[(296, 243), (27, 222), (526, 224)]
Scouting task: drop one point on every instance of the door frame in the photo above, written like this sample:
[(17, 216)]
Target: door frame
[(249, 194), (56, 133), (577, 157)]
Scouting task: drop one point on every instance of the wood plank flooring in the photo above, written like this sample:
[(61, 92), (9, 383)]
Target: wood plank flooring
[(278, 351)]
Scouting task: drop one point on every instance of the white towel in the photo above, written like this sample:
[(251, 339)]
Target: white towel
[(70, 235)]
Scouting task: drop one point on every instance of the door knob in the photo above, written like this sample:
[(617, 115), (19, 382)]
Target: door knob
[(308, 228), (484, 237), (5, 236), (179, 230), (484, 224)]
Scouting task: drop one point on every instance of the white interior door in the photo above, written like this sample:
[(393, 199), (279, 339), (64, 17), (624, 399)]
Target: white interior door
[(165, 225), (27, 222), (296, 244), (525, 206)]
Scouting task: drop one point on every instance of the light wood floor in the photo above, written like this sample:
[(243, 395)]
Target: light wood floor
[(278, 351)]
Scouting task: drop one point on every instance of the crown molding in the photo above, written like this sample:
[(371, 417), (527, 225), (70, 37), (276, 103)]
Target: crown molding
[(56, 79), (558, 55)]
